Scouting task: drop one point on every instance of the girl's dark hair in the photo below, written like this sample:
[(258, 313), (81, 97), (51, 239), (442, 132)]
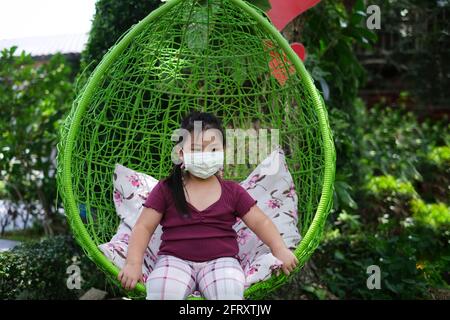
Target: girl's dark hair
[(174, 180)]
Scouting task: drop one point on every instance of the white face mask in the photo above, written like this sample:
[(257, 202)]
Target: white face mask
[(203, 164)]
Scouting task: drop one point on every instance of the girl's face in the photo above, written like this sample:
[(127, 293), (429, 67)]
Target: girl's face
[(209, 140)]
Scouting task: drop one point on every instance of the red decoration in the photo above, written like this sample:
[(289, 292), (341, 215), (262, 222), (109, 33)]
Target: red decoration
[(284, 11), (279, 65), (299, 50)]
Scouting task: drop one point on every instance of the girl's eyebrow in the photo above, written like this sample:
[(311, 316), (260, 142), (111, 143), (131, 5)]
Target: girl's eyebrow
[(208, 143)]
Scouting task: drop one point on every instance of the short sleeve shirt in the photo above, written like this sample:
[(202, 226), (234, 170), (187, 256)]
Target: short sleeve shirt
[(208, 234)]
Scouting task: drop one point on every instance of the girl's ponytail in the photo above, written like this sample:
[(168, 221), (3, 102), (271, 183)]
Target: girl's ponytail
[(175, 183)]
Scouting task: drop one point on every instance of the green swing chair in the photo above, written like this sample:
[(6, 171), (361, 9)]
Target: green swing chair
[(220, 56)]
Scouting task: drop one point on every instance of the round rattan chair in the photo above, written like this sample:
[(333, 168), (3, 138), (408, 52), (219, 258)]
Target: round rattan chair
[(220, 56)]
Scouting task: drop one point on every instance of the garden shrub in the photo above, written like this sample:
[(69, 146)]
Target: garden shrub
[(400, 198), (433, 214), (435, 169), (393, 142), (385, 196), (399, 220), (38, 270), (440, 156), (411, 261)]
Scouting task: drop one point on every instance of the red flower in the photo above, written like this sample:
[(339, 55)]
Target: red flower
[(134, 179), (118, 197), (274, 203)]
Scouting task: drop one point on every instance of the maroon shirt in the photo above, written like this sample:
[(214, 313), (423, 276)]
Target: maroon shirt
[(209, 233)]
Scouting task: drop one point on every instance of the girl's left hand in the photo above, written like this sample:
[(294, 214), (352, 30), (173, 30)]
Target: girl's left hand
[(288, 258)]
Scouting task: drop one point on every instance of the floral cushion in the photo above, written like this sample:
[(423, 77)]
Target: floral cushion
[(270, 183), (116, 250), (131, 188)]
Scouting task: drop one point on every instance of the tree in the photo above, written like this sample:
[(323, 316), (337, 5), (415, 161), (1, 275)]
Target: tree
[(33, 99)]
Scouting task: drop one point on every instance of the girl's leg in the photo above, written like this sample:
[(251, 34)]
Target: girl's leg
[(171, 279), (222, 279)]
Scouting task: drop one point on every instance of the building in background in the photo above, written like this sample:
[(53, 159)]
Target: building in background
[(42, 48)]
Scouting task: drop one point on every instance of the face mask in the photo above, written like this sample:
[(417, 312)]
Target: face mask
[(203, 164)]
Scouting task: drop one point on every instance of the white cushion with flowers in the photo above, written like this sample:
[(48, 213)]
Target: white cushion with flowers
[(274, 190), (272, 185)]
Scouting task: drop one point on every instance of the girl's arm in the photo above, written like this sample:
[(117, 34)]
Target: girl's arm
[(142, 231), (144, 228), (266, 230)]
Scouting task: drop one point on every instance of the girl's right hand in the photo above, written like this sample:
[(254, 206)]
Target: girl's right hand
[(130, 275)]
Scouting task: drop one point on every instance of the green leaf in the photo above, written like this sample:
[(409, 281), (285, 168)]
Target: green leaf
[(338, 255), (343, 194)]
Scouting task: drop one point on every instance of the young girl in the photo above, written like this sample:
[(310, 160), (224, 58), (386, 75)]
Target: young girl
[(197, 209)]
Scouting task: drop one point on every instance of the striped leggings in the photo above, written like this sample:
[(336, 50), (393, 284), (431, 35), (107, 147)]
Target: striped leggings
[(173, 278)]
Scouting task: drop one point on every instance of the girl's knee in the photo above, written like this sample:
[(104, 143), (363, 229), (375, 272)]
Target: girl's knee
[(171, 279), (229, 290), (223, 283), (164, 289)]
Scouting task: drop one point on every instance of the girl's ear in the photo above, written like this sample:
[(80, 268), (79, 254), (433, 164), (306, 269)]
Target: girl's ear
[(177, 154), (181, 154)]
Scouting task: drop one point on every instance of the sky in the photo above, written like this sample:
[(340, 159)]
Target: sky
[(28, 18)]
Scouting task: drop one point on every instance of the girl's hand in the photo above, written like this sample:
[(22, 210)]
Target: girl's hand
[(130, 275), (288, 258)]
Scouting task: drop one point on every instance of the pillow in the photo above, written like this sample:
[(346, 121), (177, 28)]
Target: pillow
[(270, 183), (116, 250), (131, 188)]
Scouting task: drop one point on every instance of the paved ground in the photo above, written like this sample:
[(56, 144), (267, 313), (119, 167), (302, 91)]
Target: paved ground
[(7, 244)]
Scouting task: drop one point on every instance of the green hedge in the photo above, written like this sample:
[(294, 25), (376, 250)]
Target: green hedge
[(38, 270)]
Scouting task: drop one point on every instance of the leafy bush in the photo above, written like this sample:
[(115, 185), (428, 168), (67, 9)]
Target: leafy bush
[(331, 31), (392, 225), (390, 185), (434, 214), (440, 156), (33, 100), (386, 196), (37, 270), (411, 261), (435, 168), (393, 142), (389, 195)]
